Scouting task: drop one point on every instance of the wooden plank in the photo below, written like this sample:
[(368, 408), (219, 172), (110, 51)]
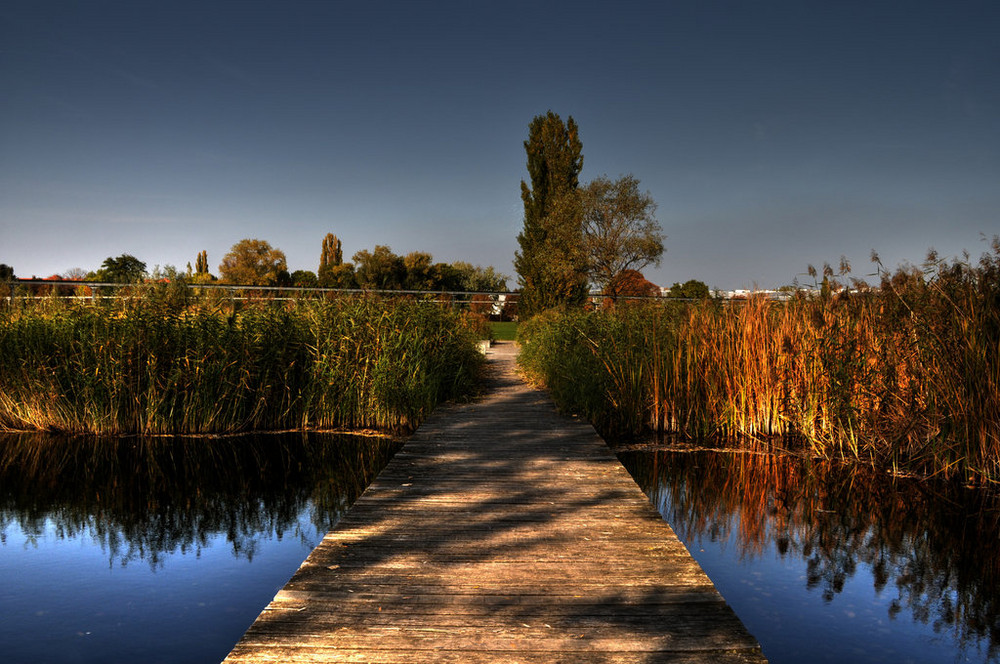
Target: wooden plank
[(316, 655), (501, 532)]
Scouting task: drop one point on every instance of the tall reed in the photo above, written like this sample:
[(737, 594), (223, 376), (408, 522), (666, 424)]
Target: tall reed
[(141, 365), (906, 375)]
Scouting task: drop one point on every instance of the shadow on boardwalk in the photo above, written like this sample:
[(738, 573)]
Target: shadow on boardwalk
[(502, 531)]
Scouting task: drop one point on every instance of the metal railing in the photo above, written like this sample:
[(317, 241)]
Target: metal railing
[(33, 289)]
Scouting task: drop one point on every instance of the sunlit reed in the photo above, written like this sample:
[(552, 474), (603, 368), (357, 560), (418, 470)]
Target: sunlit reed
[(905, 376)]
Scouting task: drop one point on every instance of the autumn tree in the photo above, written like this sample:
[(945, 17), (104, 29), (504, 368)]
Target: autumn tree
[(547, 276), (77, 274), (631, 283), (380, 269), (331, 256), (620, 230), (253, 262)]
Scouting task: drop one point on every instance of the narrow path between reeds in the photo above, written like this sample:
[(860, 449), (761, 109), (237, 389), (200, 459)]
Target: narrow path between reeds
[(502, 531)]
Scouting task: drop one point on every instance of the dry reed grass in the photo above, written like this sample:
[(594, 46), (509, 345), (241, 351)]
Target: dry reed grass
[(905, 376)]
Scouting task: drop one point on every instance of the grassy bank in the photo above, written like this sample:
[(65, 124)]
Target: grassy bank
[(906, 376), (144, 365)]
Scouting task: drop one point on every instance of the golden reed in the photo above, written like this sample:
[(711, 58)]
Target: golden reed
[(906, 375)]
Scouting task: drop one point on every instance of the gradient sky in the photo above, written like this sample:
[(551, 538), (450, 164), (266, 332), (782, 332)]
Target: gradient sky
[(772, 135)]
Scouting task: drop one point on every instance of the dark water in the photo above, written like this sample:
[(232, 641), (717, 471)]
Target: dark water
[(160, 550), (825, 563)]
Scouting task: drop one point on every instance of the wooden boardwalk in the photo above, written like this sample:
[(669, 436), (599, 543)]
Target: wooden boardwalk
[(501, 532)]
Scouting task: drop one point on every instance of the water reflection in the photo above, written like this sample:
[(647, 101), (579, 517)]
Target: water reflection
[(935, 548), (141, 498)]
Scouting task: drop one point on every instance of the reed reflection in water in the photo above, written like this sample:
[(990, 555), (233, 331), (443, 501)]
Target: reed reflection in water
[(107, 545), (914, 566)]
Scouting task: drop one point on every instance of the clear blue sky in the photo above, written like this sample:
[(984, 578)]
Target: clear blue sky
[(771, 134)]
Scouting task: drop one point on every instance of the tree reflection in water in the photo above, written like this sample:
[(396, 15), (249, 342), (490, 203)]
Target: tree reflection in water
[(141, 498), (939, 545)]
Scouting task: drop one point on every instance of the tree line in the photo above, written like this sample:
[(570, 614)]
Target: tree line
[(254, 262), (575, 238)]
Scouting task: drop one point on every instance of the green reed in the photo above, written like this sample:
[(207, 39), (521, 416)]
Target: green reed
[(905, 376), (142, 365)]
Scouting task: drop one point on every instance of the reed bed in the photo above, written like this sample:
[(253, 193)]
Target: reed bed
[(905, 376), (145, 365)]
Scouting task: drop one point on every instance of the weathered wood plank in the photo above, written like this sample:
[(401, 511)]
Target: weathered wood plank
[(314, 655), (501, 532), (581, 599)]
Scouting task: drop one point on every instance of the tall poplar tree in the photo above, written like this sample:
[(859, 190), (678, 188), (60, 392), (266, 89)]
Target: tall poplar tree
[(331, 256), (550, 263)]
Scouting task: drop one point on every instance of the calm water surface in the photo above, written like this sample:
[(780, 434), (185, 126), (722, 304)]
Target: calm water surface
[(830, 564), (161, 550), (165, 550)]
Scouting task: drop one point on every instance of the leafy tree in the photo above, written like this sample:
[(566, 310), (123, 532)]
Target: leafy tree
[(551, 217), (340, 276), (420, 272), (475, 278), (560, 277), (380, 269), (167, 273), (253, 262), (446, 277), (692, 289), (125, 269), (6, 272), (331, 256), (620, 230), (304, 279)]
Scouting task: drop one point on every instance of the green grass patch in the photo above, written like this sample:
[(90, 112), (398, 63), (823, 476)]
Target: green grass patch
[(505, 331)]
